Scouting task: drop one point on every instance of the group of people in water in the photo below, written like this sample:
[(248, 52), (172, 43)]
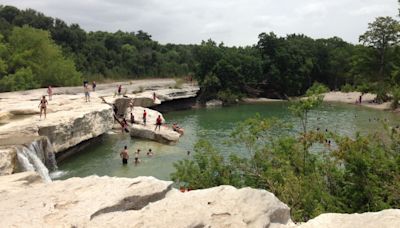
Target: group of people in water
[(125, 155)]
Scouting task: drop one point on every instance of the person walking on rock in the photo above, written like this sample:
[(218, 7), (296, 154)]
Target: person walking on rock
[(124, 155), (50, 92), (94, 86), (144, 117), (43, 106), (158, 123)]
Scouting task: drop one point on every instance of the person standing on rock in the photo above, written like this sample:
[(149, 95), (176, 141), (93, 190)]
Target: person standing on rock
[(144, 117), (132, 119), (119, 89), (154, 96), (124, 155), (50, 92), (158, 123), (94, 86), (87, 94), (43, 106)]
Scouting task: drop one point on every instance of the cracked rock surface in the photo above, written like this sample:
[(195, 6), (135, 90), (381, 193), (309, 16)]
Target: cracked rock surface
[(140, 202)]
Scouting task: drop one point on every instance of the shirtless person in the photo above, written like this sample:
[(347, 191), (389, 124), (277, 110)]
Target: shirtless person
[(43, 106), (124, 155)]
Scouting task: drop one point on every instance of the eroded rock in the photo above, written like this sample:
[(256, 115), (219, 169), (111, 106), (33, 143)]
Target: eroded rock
[(140, 202)]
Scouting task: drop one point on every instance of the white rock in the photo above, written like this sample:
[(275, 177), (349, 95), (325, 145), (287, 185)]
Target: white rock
[(139, 202), (383, 219), (214, 103), (8, 161)]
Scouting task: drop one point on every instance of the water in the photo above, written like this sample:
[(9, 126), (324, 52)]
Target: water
[(215, 125), (34, 157)]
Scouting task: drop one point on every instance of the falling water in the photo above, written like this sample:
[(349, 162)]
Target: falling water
[(38, 156)]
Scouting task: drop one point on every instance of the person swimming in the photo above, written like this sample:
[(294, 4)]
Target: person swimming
[(150, 153), (124, 155), (137, 161)]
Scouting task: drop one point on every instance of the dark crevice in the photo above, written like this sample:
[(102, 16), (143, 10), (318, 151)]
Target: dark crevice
[(199, 226), (134, 183), (133, 202)]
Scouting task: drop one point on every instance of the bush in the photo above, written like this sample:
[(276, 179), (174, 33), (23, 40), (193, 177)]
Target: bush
[(317, 88), (21, 80), (347, 88), (396, 97), (356, 175), (228, 97)]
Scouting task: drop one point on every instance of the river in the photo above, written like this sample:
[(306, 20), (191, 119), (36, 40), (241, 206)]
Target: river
[(214, 124)]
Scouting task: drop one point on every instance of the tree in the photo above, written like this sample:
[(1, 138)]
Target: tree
[(35, 60), (382, 34)]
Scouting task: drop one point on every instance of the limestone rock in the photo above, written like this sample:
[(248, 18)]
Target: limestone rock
[(214, 103), (140, 202), (383, 219), (8, 161), (164, 135)]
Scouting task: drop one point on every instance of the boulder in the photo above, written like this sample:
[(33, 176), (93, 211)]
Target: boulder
[(140, 202), (383, 219), (164, 135), (66, 128), (214, 103), (139, 130), (8, 161)]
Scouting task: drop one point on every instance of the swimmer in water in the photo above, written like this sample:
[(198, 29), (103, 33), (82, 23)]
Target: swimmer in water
[(124, 155)]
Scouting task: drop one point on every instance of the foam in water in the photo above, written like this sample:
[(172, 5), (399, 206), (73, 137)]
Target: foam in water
[(35, 156), (58, 174)]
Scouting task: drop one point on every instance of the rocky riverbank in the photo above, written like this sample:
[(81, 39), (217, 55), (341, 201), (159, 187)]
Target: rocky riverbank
[(26, 201), (71, 121)]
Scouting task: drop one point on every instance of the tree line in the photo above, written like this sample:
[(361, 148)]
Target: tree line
[(275, 67)]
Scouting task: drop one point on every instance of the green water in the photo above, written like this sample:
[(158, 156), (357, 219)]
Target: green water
[(214, 124)]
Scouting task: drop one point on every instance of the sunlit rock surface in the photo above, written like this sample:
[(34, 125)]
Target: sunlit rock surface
[(140, 202), (70, 120)]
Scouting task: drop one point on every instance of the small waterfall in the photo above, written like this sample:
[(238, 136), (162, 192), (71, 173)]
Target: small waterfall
[(38, 156)]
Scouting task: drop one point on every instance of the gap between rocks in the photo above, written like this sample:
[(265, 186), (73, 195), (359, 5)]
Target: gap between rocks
[(133, 202)]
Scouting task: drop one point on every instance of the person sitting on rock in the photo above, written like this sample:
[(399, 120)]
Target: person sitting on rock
[(158, 123), (178, 129)]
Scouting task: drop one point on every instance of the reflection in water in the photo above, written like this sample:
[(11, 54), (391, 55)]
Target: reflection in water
[(215, 125)]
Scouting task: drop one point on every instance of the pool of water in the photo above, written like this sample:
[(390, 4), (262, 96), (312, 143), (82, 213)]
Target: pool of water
[(215, 125)]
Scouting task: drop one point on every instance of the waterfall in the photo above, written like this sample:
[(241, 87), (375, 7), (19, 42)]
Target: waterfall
[(37, 156)]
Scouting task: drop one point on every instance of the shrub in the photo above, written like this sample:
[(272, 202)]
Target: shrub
[(347, 88), (228, 97)]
